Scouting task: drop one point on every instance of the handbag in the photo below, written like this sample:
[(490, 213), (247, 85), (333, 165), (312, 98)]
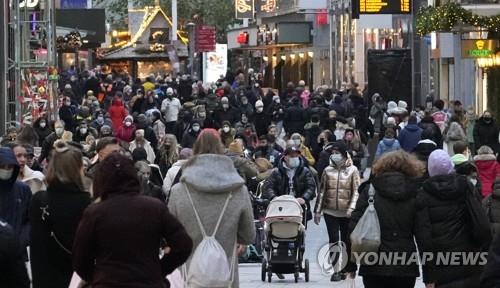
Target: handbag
[(366, 235), (479, 222)]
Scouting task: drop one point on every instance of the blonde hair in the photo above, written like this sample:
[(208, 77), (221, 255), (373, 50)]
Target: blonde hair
[(400, 161)]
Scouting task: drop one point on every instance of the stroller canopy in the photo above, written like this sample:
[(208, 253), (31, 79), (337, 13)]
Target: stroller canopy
[(284, 208)]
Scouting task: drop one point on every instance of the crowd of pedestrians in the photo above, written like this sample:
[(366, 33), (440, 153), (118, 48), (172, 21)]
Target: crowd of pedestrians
[(134, 175)]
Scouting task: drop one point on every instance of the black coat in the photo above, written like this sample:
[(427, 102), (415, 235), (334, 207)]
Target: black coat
[(261, 122), (395, 204), (444, 226), (428, 124), (490, 277), (294, 120), (424, 149), (51, 265), (303, 183), (13, 272), (486, 134)]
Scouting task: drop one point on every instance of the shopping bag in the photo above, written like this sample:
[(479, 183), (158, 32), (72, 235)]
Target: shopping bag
[(175, 279), (366, 235)]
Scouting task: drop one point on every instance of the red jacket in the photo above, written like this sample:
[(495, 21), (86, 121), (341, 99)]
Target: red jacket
[(117, 112), (125, 133), (488, 169)]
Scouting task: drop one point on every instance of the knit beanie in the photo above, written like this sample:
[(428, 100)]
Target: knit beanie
[(235, 147), (459, 159), (439, 163), (339, 146)]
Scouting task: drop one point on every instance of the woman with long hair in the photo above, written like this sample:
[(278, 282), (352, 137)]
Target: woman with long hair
[(208, 183), (119, 238), (168, 153), (395, 182), (54, 217)]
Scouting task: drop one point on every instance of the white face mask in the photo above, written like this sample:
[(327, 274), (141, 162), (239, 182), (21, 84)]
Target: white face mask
[(203, 115), (225, 129), (6, 174), (336, 158), (260, 109), (293, 162), (83, 130), (473, 181), (196, 128), (59, 131), (297, 142), (128, 124), (43, 124), (225, 106)]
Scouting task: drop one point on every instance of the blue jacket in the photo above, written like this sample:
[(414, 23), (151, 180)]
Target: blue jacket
[(409, 137), (15, 198), (387, 145)]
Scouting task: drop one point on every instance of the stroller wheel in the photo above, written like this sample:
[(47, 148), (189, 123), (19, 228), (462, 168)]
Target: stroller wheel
[(306, 270), (264, 270)]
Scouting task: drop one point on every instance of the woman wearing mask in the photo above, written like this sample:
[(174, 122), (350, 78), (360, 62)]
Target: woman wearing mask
[(126, 132), (355, 147), (42, 129), (126, 228), (470, 123), (227, 133), (337, 198), (54, 217), (168, 153), (158, 125), (209, 180), (486, 132), (141, 142), (445, 226), (277, 113), (192, 134), (298, 141), (117, 113), (453, 134), (395, 181)]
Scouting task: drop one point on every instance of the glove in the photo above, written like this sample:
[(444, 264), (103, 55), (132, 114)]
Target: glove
[(317, 218)]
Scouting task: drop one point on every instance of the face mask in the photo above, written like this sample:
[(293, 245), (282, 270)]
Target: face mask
[(277, 100), (335, 158), (293, 162), (260, 109), (128, 124), (244, 120), (225, 129), (6, 174), (83, 131), (487, 119), (244, 102), (68, 103), (297, 142), (328, 102), (196, 128), (473, 181), (225, 106), (43, 124), (203, 115), (59, 131), (106, 133)]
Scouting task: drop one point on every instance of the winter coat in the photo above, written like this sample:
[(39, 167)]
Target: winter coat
[(311, 139), (396, 208), (51, 265), (34, 179), (454, 134), (387, 145), (492, 207), (246, 168), (261, 122), (490, 277), (13, 272), (125, 133), (117, 113), (444, 226), (42, 133), (294, 120), (486, 134), (147, 146), (440, 118), (409, 137), (210, 178), (424, 148), (171, 174), (277, 112), (269, 153), (229, 115), (67, 114), (338, 190), (427, 123), (304, 185), (377, 113), (128, 228), (488, 168), (306, 153), (149, 134), (15, 198), (159, 129), (171, 108), (469, 129), (189, 138), (148, 188), (47, 146)]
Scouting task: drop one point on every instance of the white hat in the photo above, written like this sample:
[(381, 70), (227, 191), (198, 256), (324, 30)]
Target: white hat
[(302, 83), (67, 86), (259, 103), (170, 91)]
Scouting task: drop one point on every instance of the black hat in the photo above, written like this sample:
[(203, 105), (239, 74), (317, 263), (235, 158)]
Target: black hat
[(291, 149), (340, 146)]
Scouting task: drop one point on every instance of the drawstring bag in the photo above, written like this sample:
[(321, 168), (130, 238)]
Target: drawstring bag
[(209, 266), (366, 235)]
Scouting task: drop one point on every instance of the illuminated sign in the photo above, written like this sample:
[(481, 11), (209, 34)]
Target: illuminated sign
[(28, 3), (268, 6), (385, 6), (479, 48), (244, 9), (242, 38)]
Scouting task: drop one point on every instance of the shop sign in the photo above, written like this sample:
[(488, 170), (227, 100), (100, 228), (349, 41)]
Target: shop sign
[(384, 6), (479, 48), (243, 38), (215, 63), (28, 3), (244, 9)]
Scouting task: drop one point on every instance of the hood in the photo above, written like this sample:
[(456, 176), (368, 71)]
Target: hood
[(446, 187), (455, 132), (394, 185), (458, 159), (389, 141), (412, 127), (7, 157), (221, 177), (485, 157)]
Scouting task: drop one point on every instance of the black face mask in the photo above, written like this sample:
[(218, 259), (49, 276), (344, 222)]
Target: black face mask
[(487, 119)]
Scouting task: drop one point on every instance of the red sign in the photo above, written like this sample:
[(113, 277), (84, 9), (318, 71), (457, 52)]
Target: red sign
[(322, 17), (242, 38), (205, 39)]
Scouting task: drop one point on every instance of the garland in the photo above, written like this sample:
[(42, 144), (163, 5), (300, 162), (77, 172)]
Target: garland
[(443, 18)]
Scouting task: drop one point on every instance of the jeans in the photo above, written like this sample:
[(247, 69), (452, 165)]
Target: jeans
[(388, 282), (334, 225)]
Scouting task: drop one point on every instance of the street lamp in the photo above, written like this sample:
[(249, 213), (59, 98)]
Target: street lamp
[(190, 27)]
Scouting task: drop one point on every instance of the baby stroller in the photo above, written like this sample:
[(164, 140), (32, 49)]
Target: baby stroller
[(285, 235)]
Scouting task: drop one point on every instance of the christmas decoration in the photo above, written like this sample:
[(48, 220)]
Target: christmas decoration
[(443, 18), (72, 40)]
